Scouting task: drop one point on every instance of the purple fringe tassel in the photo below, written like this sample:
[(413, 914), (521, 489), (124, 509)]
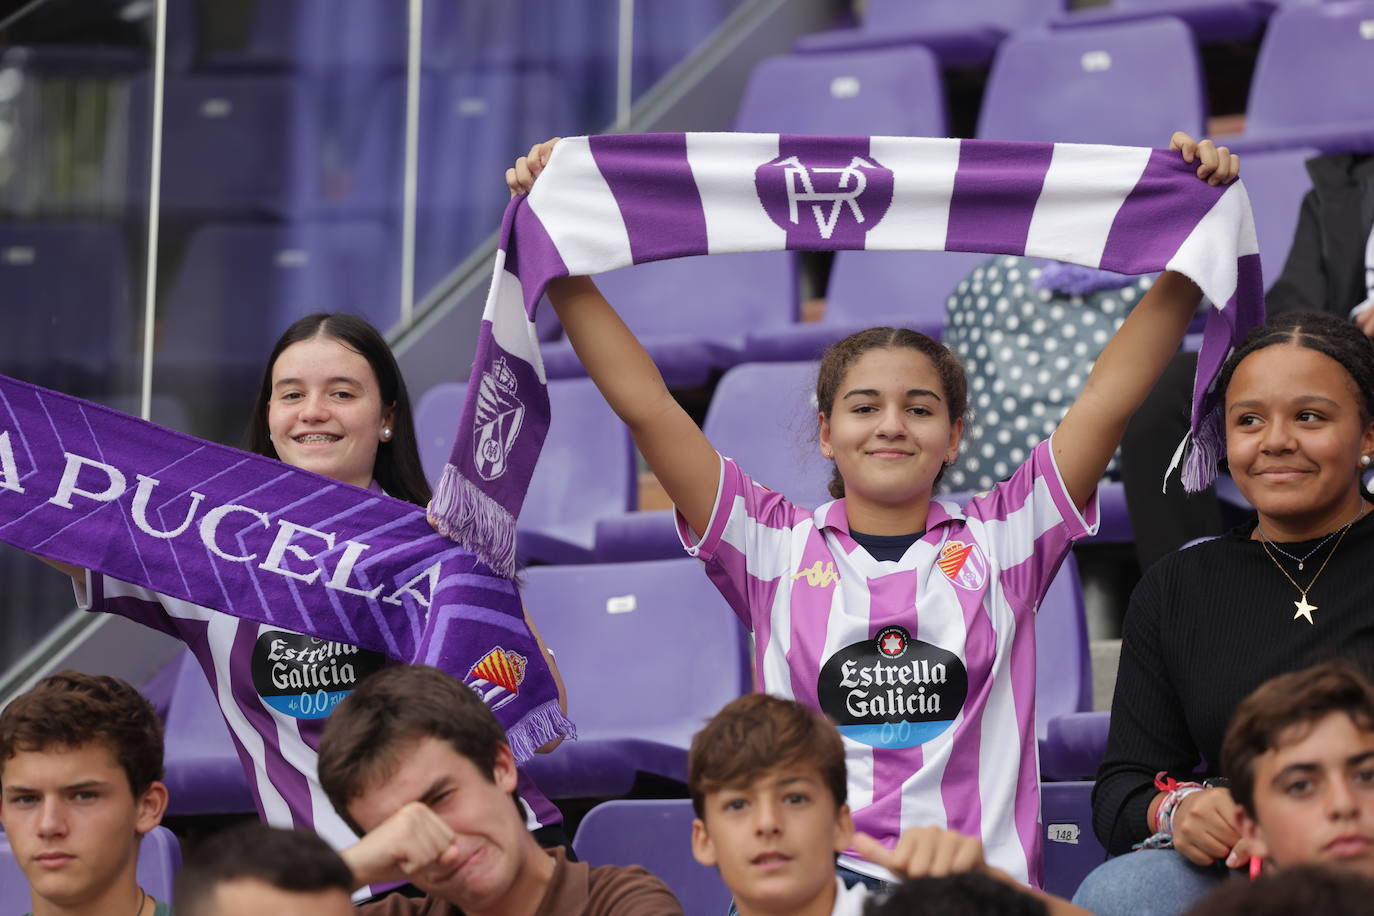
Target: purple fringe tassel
[(545, 723), (461, 512), (1205, 448)]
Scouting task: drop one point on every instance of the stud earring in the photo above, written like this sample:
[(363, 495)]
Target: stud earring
[(386, 433), (1364, 461)]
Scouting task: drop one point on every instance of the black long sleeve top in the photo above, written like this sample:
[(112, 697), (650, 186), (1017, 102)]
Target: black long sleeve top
[(1205, 627)]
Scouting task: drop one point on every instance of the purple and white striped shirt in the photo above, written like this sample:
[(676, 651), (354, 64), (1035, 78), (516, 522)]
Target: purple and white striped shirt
[(927, 664), (275, 689)]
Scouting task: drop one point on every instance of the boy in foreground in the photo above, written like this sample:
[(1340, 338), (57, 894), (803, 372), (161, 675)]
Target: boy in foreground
[(417, 764), (257, 870), (767, 780), (1299, 754), (80, 771)]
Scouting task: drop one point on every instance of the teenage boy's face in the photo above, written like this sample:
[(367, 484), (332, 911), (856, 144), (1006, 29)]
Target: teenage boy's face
[(775, 839), (491, 840), (1314, 798), (74, 823)]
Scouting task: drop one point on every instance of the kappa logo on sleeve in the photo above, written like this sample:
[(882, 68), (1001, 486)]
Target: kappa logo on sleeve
[(498, 676), (822, 195), (892, 690), (963, 564)]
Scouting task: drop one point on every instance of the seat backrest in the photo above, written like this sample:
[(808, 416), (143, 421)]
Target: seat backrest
[(65, 327), (710, 296), (648, 650), (159, 859), (302, 34), (242, 284), (1315, 66), (1109, 84), (892, 92), (586, 469), (1063, 671), (763, 415), (1276, 182), (932, 15), (877, 285), (237, 145), (615, 833)]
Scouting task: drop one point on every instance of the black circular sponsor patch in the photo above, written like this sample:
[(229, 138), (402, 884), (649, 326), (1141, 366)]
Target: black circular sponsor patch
[(892, 690), (306, 677)]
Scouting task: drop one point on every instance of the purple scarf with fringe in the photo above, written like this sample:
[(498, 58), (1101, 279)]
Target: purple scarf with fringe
[(609, 202), (262, 540)]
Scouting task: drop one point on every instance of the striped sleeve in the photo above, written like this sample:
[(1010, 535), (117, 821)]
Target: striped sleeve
[(747, 544), (1029, 524)]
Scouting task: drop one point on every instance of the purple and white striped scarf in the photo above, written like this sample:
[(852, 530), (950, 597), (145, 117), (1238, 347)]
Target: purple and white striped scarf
[(608, 202), (262, 540)]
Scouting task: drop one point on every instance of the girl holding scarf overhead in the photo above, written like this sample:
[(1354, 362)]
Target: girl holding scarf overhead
[(1210, 623), (332, 401), (906, 620)]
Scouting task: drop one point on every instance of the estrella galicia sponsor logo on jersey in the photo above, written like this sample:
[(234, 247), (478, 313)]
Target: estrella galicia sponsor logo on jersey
[(305, 677), (964, 564), (892, 691), (824, 194)]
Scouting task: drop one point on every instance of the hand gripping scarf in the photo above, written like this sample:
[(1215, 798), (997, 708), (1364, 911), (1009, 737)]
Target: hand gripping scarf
[(609, 202), (265, 541)]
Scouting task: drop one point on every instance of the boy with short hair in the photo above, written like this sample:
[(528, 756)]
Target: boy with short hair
[(767, 781), (417, 764), (257, 870), (1299, 754), (80, 786)]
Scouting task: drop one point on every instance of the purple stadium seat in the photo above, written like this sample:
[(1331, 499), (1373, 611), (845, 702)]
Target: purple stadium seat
[(648, 651), (895, 92), (1276, 181), (761, 416), (290, 34), (586, 470), (962, 33), (64, 327), (1099, 85), (1063, 680), (615, 833), (692, 314), (159, 859), (1071, 846), (872, 289), (241, 284), (1312, 78), (204, 774), (234, 145), (1211, 20)]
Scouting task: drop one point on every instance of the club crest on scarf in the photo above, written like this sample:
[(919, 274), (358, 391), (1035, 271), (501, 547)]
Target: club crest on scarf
[(824, 196), (497, 677), (499, 414)]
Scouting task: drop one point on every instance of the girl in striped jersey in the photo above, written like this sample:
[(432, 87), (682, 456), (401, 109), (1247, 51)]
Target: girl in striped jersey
[(906, 620), (333, 401)]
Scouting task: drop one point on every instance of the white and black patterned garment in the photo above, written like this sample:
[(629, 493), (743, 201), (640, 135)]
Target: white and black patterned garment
[(1027, 352)]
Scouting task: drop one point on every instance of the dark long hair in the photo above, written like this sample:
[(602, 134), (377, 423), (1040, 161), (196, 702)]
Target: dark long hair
[(397, 469)]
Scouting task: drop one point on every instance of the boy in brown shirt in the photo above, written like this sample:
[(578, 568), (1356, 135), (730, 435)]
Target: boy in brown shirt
[(417, 764)]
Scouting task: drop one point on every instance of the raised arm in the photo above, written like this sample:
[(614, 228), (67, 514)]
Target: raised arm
[(1136, 356), (684, 461)]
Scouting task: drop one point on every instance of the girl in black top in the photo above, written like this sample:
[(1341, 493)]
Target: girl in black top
[(1208, 624)]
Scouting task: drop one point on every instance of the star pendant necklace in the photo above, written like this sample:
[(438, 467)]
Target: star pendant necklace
[(1304, 610)]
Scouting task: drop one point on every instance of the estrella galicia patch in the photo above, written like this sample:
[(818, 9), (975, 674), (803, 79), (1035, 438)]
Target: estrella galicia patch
[(305, 677), (892, 690)]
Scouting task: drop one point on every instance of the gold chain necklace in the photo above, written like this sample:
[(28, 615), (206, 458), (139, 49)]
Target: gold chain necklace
[(1304, 610)]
